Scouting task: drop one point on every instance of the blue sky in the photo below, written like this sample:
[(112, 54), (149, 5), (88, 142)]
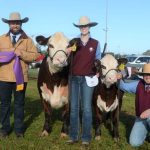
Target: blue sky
[(128, 20)]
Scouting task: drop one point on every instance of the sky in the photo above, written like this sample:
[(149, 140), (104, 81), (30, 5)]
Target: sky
[(123, 24)]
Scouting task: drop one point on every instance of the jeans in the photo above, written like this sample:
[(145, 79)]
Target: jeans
[(6, 90), (139, 132), (81, 95)]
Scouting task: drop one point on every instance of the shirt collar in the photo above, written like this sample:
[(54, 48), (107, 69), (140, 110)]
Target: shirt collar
[(146, 85), (79, 36), (23, 34), (17, 36)]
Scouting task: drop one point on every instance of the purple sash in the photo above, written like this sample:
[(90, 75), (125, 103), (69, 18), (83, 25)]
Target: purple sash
[(6, 57)]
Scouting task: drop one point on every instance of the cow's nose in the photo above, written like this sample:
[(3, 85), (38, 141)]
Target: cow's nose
[(111, 78), (62, 61)]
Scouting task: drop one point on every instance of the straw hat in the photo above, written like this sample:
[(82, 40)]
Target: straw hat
[(85, 21), (145, 70), (15, 16)]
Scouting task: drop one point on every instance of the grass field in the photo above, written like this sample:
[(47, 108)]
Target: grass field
[(34, 119)]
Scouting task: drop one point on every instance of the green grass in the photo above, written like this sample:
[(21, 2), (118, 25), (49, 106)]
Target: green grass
[(34, 118)]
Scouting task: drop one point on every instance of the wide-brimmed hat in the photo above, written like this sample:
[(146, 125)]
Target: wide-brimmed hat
[(145, 70), (85, 21), (15, 16)]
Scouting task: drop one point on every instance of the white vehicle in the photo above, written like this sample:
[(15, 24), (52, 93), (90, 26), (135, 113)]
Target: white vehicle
[(137, 60)]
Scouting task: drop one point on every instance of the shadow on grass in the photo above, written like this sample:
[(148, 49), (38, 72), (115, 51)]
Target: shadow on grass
[(34, 108), (125, 118), (128, 121)]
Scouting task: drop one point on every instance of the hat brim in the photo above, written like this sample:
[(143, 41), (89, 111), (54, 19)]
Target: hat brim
[(92, 24), (22, 21), (142, 73)]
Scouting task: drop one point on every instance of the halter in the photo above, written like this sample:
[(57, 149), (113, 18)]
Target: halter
[(56, 53), (103, 76)]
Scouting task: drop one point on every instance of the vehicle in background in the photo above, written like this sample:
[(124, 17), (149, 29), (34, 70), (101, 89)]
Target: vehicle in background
[(135, 63), (137, 60)]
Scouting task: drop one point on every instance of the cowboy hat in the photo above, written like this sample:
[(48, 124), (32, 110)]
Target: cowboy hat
[(85, 21), (15, 16), (145, 70)]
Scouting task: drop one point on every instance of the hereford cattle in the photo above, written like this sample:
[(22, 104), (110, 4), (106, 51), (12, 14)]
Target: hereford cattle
[(107, 97), (53, 79)]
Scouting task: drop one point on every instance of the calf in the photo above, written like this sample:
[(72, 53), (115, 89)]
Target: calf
[(53, 79), (107, 98)]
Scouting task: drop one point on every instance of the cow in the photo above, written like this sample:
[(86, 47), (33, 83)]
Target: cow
[(107, 97), (53, 80)]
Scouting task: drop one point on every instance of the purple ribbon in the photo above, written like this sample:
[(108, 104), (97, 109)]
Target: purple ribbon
[(6, 57)]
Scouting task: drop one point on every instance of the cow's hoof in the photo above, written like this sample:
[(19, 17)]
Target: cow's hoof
[(97, 137), (116, 140), (63, 135), (44, 133)]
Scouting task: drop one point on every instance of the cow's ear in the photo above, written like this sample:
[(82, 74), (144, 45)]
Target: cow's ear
[(74, 41), (97, 68), (42, 40)]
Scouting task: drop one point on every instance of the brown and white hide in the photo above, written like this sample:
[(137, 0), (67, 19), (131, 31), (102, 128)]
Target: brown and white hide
[(53, 79), (107, 97)]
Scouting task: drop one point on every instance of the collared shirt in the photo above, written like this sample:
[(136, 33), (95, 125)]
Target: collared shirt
[(147, 86), (130, 86), (17, 36)]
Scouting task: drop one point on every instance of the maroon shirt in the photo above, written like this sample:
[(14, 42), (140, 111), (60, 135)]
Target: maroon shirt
[(142, 99), (83, 59)]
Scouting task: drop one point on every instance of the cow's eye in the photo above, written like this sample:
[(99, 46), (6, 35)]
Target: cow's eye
[(51, 46)]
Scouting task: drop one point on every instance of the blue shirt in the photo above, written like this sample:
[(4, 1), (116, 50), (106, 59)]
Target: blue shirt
[(17, 36), (129, 86), (98, 52)]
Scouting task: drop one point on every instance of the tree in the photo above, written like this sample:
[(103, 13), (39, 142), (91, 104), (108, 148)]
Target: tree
[(147, 53)]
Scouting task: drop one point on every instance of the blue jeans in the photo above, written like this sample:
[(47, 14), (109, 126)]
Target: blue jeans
[(81, 95), (6, 90), (139, 131)]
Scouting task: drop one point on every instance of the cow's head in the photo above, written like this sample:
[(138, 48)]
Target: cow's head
[(109, 73), (57, 48)]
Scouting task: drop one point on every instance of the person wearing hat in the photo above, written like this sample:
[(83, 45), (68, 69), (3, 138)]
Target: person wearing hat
[(82, 81), (141, 88), (17, 50)]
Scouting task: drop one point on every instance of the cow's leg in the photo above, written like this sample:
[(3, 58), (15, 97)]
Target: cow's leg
[(47, 113), (115, 121), (120, 97), (98, 122), (65, 117), (108, 121)]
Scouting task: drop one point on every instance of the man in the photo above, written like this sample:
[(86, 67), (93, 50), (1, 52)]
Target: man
[(16, 52), (88, 50), (141, 88)]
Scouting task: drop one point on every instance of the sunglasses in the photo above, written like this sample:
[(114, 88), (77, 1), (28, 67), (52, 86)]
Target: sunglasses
[(83, 26)]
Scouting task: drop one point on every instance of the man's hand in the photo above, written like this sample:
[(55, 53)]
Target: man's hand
[(18, 52), (145, 114), (119, 76)]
